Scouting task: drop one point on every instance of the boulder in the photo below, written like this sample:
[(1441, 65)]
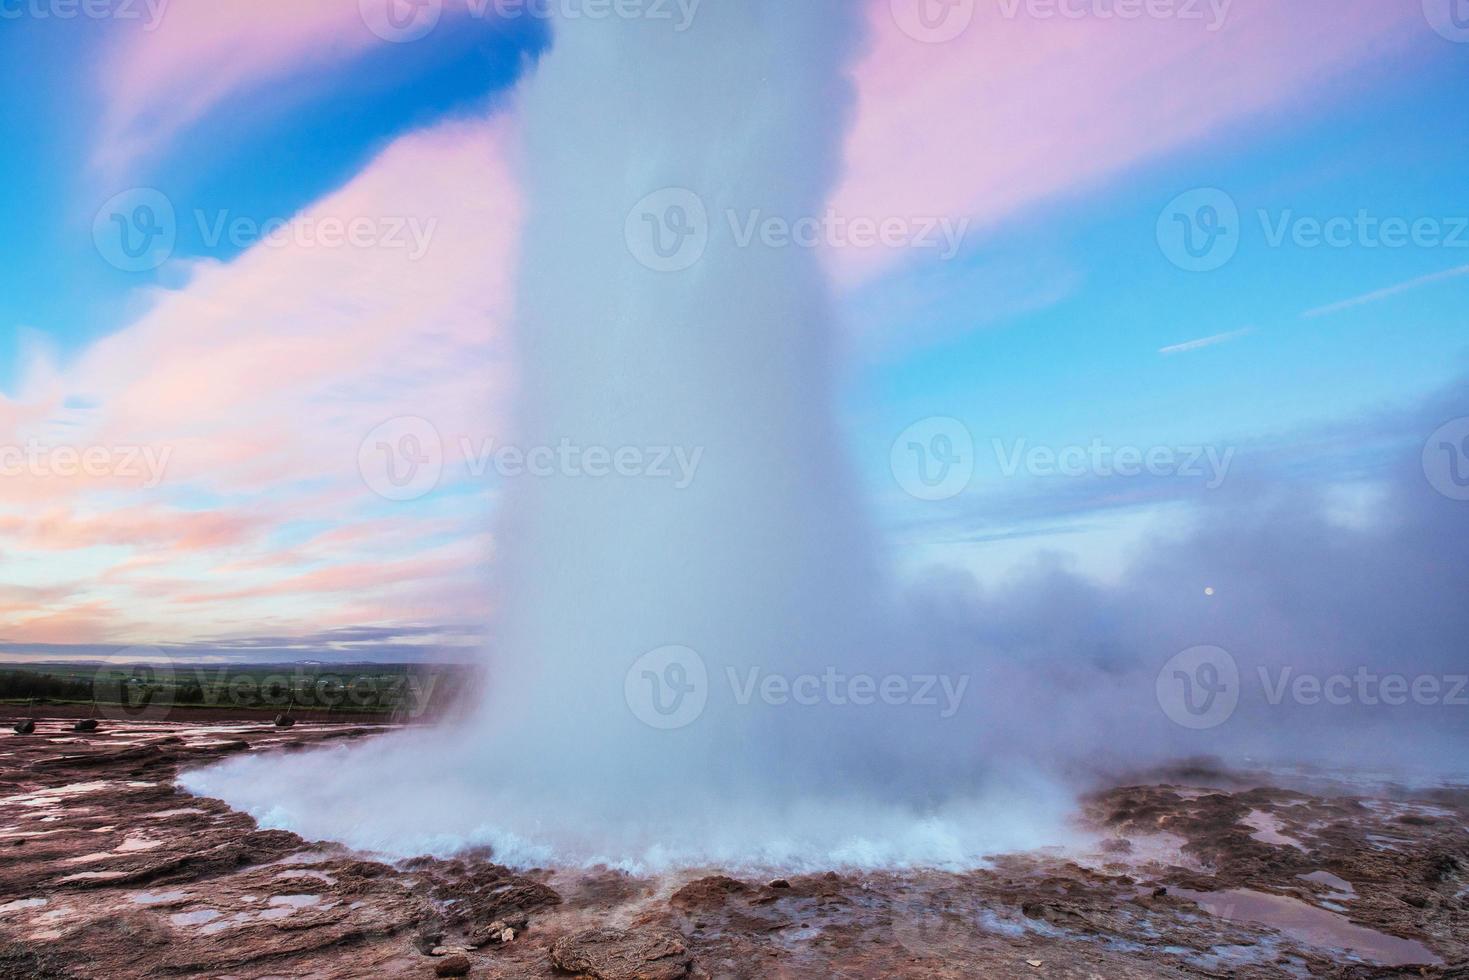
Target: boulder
[(618, 954), (710, 892), (452, 966)]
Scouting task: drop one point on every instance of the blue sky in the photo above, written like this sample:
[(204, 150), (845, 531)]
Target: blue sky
[(1050, 325)]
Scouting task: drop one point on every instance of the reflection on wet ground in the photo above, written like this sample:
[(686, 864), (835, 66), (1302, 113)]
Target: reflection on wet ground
[(108, 870), (1311, 926)]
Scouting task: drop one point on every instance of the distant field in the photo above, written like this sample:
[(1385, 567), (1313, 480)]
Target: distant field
[(396, 692)]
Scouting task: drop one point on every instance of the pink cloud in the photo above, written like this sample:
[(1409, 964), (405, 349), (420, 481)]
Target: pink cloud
[(156, 81), (1018, 110), (167, 71), (140, 527), (260, 378)]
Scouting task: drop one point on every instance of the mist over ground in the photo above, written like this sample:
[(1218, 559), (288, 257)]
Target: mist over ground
[(1335, 556), (722, 672)]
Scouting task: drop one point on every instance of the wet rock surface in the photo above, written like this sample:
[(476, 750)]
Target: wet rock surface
[(107, 870)]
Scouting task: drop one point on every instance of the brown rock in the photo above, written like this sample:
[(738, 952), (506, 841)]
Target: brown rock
[(452, 966), (707, 892), (616, 954), (501, 931)]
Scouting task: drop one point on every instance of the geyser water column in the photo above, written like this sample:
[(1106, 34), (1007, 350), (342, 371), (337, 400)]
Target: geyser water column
[(629, 715), (650, 321)]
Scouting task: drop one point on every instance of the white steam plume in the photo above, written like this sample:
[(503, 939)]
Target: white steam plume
[(761, 565)]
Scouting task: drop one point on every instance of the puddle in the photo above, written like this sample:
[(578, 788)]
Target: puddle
[(320, 876), (93, 876), (294, 901), (300, 858), (1311, 926), (22, 903), (1267, 830), (157, 898), (1340, 887), (1381, 842), (802, 933), (196, 918), (49, 797), (1228, 959), (1160, 849), (238, 919)]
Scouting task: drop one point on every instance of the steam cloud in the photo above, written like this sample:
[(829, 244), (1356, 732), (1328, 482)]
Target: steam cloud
[(764, 564)]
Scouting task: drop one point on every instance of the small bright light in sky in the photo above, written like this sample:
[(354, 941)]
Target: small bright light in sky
[(1209, 590)]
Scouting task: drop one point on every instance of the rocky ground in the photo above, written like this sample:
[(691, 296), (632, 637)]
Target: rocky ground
[(108, 871)]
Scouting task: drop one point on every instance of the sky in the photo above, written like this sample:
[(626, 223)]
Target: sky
[(260, 258)]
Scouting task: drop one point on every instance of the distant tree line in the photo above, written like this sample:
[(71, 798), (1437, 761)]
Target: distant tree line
[(15, 684)]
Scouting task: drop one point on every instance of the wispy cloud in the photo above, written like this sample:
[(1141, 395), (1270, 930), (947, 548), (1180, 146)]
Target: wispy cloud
[(1202, 342), (1378, 295)]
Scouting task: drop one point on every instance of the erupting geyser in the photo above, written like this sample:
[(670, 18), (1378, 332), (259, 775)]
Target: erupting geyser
[(666, 683)]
